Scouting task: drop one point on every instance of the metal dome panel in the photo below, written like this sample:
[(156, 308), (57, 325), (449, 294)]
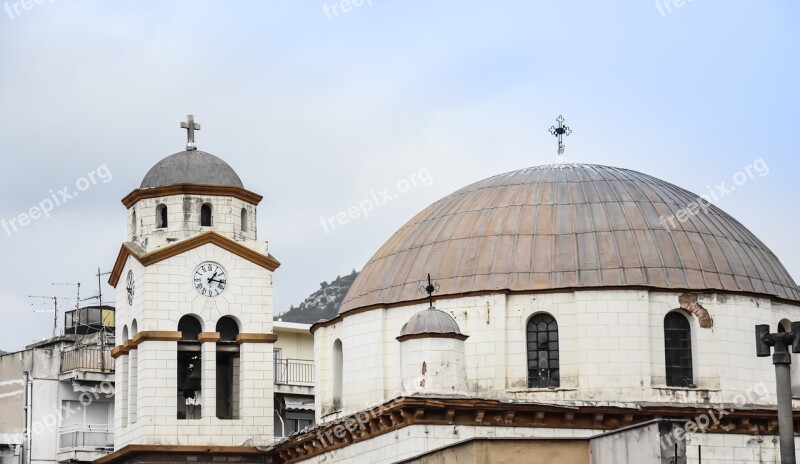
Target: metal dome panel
[(569, 226)]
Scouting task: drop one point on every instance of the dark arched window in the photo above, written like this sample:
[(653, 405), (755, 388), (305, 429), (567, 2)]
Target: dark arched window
[(244, 220), (190, 364), (543, 360), (161, 216), (228, 369), (678, 350), (205, 215), (133, 223)]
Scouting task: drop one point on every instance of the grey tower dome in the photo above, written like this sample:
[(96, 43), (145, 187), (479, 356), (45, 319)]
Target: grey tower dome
[(191, 167), (430, 321)]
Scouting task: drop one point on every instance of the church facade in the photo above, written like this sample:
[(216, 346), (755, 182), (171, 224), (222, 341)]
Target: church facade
[(579, 306), (565, 313)]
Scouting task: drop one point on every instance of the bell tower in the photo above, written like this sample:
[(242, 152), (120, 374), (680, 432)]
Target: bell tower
[(194, 309)]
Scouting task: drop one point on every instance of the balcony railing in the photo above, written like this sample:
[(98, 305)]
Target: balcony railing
[(87, 358), (85, 437), (294, 372)]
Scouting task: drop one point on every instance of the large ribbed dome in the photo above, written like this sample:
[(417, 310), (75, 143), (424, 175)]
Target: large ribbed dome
[(191, 167), (569, 226)]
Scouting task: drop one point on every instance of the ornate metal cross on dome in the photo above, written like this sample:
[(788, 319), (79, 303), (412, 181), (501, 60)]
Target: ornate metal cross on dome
[(429, 289), (559, 132), (190, 127)]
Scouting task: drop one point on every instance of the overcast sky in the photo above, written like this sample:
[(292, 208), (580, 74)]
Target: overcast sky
[(316, 112)]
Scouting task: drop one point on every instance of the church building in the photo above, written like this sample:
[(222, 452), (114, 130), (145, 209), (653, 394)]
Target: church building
[(567, 313)]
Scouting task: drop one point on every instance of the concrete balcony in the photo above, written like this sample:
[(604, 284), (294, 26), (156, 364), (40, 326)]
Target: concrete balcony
[(84, 442), (294, 376), (87, 363)]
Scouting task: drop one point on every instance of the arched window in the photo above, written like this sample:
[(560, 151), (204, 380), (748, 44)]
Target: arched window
[(678, 350), (189, 368), (205, 215), (161, 216), (543, 360), (133, 379), (227, 369), (244, 220), (338, 367), (133, 223)]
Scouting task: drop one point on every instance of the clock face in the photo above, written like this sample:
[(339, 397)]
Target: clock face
[(210, 279), (129, 287)]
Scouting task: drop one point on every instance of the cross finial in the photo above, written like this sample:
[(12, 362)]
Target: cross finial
[(190, 127), (429, 289), (559, 132)]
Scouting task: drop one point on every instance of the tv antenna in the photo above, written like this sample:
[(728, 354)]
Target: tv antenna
[(55, 310), (78, 297), (99, 295)]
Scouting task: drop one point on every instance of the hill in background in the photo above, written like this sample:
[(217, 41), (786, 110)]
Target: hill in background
[(323, 304)]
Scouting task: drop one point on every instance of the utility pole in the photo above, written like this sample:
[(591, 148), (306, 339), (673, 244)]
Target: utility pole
[(782, 359), (55, 310)]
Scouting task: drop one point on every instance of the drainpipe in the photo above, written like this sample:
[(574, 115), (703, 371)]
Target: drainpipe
[(26, 437)]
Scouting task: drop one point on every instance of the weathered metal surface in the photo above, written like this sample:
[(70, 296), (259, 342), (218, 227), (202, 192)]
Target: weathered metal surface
[(570, 226), (191, 167), (430, 321)]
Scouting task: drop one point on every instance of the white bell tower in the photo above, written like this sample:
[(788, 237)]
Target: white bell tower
[(194, 309)]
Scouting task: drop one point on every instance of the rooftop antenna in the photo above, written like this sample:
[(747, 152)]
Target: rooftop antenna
[(560, 132), (55, 310), (77, 298), (99, 295)]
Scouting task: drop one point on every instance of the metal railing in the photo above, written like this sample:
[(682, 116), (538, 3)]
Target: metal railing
[(294, 372), (85, 437), (87, 358)]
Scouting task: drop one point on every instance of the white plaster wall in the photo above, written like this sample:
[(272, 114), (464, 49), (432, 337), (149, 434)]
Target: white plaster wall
[(417, 439), (726, 448), (611, 349), (294, 345), (183, 219), (433, 365)]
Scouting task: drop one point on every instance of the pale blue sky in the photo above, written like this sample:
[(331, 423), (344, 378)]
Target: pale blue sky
[(315, 114)]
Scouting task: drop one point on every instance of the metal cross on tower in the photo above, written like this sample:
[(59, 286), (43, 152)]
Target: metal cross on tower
[(190, 127), (429, 289), (559, 132)]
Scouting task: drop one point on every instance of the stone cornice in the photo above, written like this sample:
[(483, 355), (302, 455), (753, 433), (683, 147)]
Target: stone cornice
[(266, 261), (141, 337), (208, 337), (256, 338), (456, 336), (407, 411), (192, 189)]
